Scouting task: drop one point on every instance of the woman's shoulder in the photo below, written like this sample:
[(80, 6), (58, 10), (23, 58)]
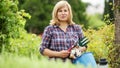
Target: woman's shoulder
[(76, 26), (49, 27)]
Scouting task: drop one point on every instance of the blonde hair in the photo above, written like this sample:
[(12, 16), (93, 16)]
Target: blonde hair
[(60, 4)]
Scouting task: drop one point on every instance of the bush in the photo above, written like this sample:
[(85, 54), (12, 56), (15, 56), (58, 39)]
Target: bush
[(100, 41), (13, 37), (27, 45), (95, 22)]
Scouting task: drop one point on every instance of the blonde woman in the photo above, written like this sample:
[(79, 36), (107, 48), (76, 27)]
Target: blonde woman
[(61, 34)]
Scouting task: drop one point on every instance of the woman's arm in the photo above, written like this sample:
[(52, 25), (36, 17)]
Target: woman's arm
[(44, 49), (61, 54), (81, 35)]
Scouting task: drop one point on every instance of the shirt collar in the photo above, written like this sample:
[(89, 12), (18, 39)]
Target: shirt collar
[(58, 25), (55, 26)]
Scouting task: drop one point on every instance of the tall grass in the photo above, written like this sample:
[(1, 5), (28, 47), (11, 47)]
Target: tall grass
[(8, 60)]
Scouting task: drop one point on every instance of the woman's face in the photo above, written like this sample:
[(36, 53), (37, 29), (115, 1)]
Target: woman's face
[(63, 14)]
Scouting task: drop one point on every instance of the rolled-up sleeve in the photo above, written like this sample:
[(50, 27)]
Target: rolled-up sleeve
[(80, 32), (46, 37)]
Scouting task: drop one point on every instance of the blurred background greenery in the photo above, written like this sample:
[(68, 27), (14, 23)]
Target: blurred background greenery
[(22, 23)]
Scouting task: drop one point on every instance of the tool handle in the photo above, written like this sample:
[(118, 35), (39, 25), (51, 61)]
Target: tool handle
[(71, 48)]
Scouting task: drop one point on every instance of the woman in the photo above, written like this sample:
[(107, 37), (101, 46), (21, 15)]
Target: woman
[(61, 34)]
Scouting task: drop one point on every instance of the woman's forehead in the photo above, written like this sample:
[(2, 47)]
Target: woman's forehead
[(64, 6)]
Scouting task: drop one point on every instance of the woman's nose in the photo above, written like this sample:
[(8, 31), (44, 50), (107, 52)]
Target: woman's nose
[(63, 12)]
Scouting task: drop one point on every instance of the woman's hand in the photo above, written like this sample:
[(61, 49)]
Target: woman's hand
[(61, 54), (82, 49), (64, 53)]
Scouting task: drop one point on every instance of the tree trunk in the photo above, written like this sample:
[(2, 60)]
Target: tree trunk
[(117, 21), (116, 46)]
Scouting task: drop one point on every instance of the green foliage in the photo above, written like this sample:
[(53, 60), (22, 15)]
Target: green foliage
[(109, 12), (27, 45), (13, 37), (14, 61), (8, 19), (40, 11), (100, 41), (94, 22), (79, 15), (113, 54)]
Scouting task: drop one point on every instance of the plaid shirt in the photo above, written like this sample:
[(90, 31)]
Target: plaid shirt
[(56, 39)]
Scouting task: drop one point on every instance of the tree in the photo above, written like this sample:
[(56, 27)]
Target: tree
[(40, 11), (108, 12), (12, 22), (13, 37), (79, 15), (8, 16), (115, 52)]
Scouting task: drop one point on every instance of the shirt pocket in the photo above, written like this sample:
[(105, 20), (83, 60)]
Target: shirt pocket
[(74, 37)]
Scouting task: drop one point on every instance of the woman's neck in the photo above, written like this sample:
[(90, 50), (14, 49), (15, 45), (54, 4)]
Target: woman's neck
[(63, 26)]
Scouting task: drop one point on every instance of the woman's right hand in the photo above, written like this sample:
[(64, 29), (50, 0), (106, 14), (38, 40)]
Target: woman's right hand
[(64, 53)]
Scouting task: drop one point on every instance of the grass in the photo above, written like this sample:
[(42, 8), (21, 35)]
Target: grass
[(14, 61)]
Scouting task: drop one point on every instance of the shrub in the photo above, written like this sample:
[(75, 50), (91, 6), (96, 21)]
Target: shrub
[(13, 37), (100, 41)]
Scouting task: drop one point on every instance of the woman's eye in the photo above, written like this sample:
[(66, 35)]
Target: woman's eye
[(65, 10), (59, 10)]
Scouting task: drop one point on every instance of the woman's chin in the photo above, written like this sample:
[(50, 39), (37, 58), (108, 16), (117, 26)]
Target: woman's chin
[(63, 20)]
